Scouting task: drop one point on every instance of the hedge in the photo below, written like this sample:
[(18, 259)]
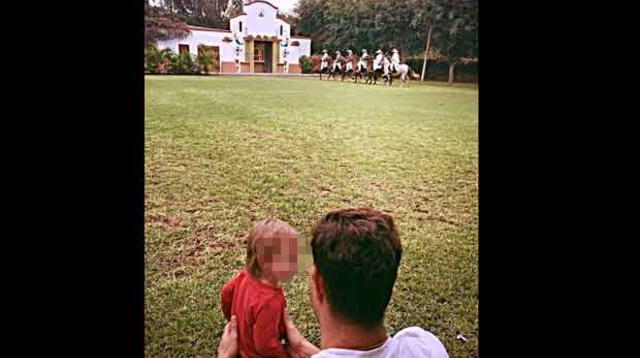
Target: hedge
[(439, 70)]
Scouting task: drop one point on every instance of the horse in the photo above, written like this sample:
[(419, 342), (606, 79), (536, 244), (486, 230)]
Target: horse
[(403, 71), (372, 75), (340, 60), (353, 71), (369, 75), (316, 62)]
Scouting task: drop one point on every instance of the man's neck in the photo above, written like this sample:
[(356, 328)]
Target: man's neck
[(337, 334)]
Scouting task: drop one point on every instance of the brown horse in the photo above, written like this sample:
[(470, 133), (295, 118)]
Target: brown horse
[(370, 75), (342, 61), (316, 61), (353, 71)]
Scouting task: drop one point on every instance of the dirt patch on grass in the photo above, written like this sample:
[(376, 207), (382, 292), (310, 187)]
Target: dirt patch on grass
[(432, 216), (440, 219), (168, 261), (208, 237), (165, 222)]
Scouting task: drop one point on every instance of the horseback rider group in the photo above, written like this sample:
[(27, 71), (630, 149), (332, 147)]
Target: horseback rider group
[(367, 67), (362, 63)]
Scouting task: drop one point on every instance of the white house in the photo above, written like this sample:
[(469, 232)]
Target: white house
[(259, 40)]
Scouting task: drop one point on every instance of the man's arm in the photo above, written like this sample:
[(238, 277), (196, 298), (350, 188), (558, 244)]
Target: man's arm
[(297, 346), (228, 347)]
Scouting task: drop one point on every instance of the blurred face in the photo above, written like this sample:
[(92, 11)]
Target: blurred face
[(279, 256)]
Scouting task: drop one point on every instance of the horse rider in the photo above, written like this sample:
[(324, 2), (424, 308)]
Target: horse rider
[(325, 60), (336, 63), (395, 60), (362, 64), (377, 63), (349, 66)]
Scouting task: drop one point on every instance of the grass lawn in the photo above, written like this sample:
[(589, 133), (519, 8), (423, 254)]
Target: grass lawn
[(223, 152)]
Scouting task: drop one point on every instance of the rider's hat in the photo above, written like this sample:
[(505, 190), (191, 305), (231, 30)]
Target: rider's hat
[(364, 50), (379, 51), (394, 51), (324, 51)]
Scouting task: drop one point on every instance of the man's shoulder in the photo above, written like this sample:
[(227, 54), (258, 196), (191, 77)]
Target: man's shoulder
[(415, 332), (412, 342), (416, 342)]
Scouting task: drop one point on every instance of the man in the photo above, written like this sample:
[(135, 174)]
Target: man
[(349, 66), (325, 60), (362, 64), (336, 63), (377, 62), (395, 60), (356, 254)]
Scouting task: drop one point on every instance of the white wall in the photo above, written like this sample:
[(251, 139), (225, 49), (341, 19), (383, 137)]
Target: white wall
[(305, 47), (265, 25), (207, 38), (286, 29), (234, 25)]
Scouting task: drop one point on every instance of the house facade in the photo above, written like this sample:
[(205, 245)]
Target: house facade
[(259, 41)]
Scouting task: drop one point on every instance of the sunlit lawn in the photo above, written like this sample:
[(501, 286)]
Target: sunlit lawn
[(223, 152)]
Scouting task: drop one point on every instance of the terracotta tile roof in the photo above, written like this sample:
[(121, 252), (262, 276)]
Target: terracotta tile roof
[(283, 19), (236, 15), (202, 28), (266, 2)]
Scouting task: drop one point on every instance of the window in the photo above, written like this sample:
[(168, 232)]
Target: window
[(183, 48), (240, 23), (280, 30), (258, 54)]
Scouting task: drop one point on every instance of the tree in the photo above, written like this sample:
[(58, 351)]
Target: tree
[(160, 25), (457, 31), (411, 26), (425, 17), (311, 20), (358, 24), (203, 12)]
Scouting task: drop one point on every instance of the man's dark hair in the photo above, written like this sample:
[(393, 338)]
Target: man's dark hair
[(357, 253)]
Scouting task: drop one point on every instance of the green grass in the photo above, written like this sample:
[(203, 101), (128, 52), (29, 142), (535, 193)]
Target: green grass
[(222, 152)]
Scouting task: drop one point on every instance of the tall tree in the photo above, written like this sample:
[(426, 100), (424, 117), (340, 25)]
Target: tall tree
[(312, 20), (370, 24), (159, 25), (202, 12), (456, 34)]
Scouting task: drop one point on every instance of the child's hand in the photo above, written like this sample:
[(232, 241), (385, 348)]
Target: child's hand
[(228, 347)]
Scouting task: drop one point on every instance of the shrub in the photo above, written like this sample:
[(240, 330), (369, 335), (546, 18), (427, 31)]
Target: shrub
[(305, 64), (167, 57), (183, 64), (152, 59), (204, 60), (439, 70)]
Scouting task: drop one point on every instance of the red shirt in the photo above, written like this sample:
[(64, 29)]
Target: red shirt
[(259, 310)]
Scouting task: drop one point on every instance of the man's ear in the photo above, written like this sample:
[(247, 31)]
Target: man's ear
[(318, 284)]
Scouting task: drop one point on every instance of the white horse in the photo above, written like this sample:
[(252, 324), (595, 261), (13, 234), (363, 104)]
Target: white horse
[(402, 70)]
